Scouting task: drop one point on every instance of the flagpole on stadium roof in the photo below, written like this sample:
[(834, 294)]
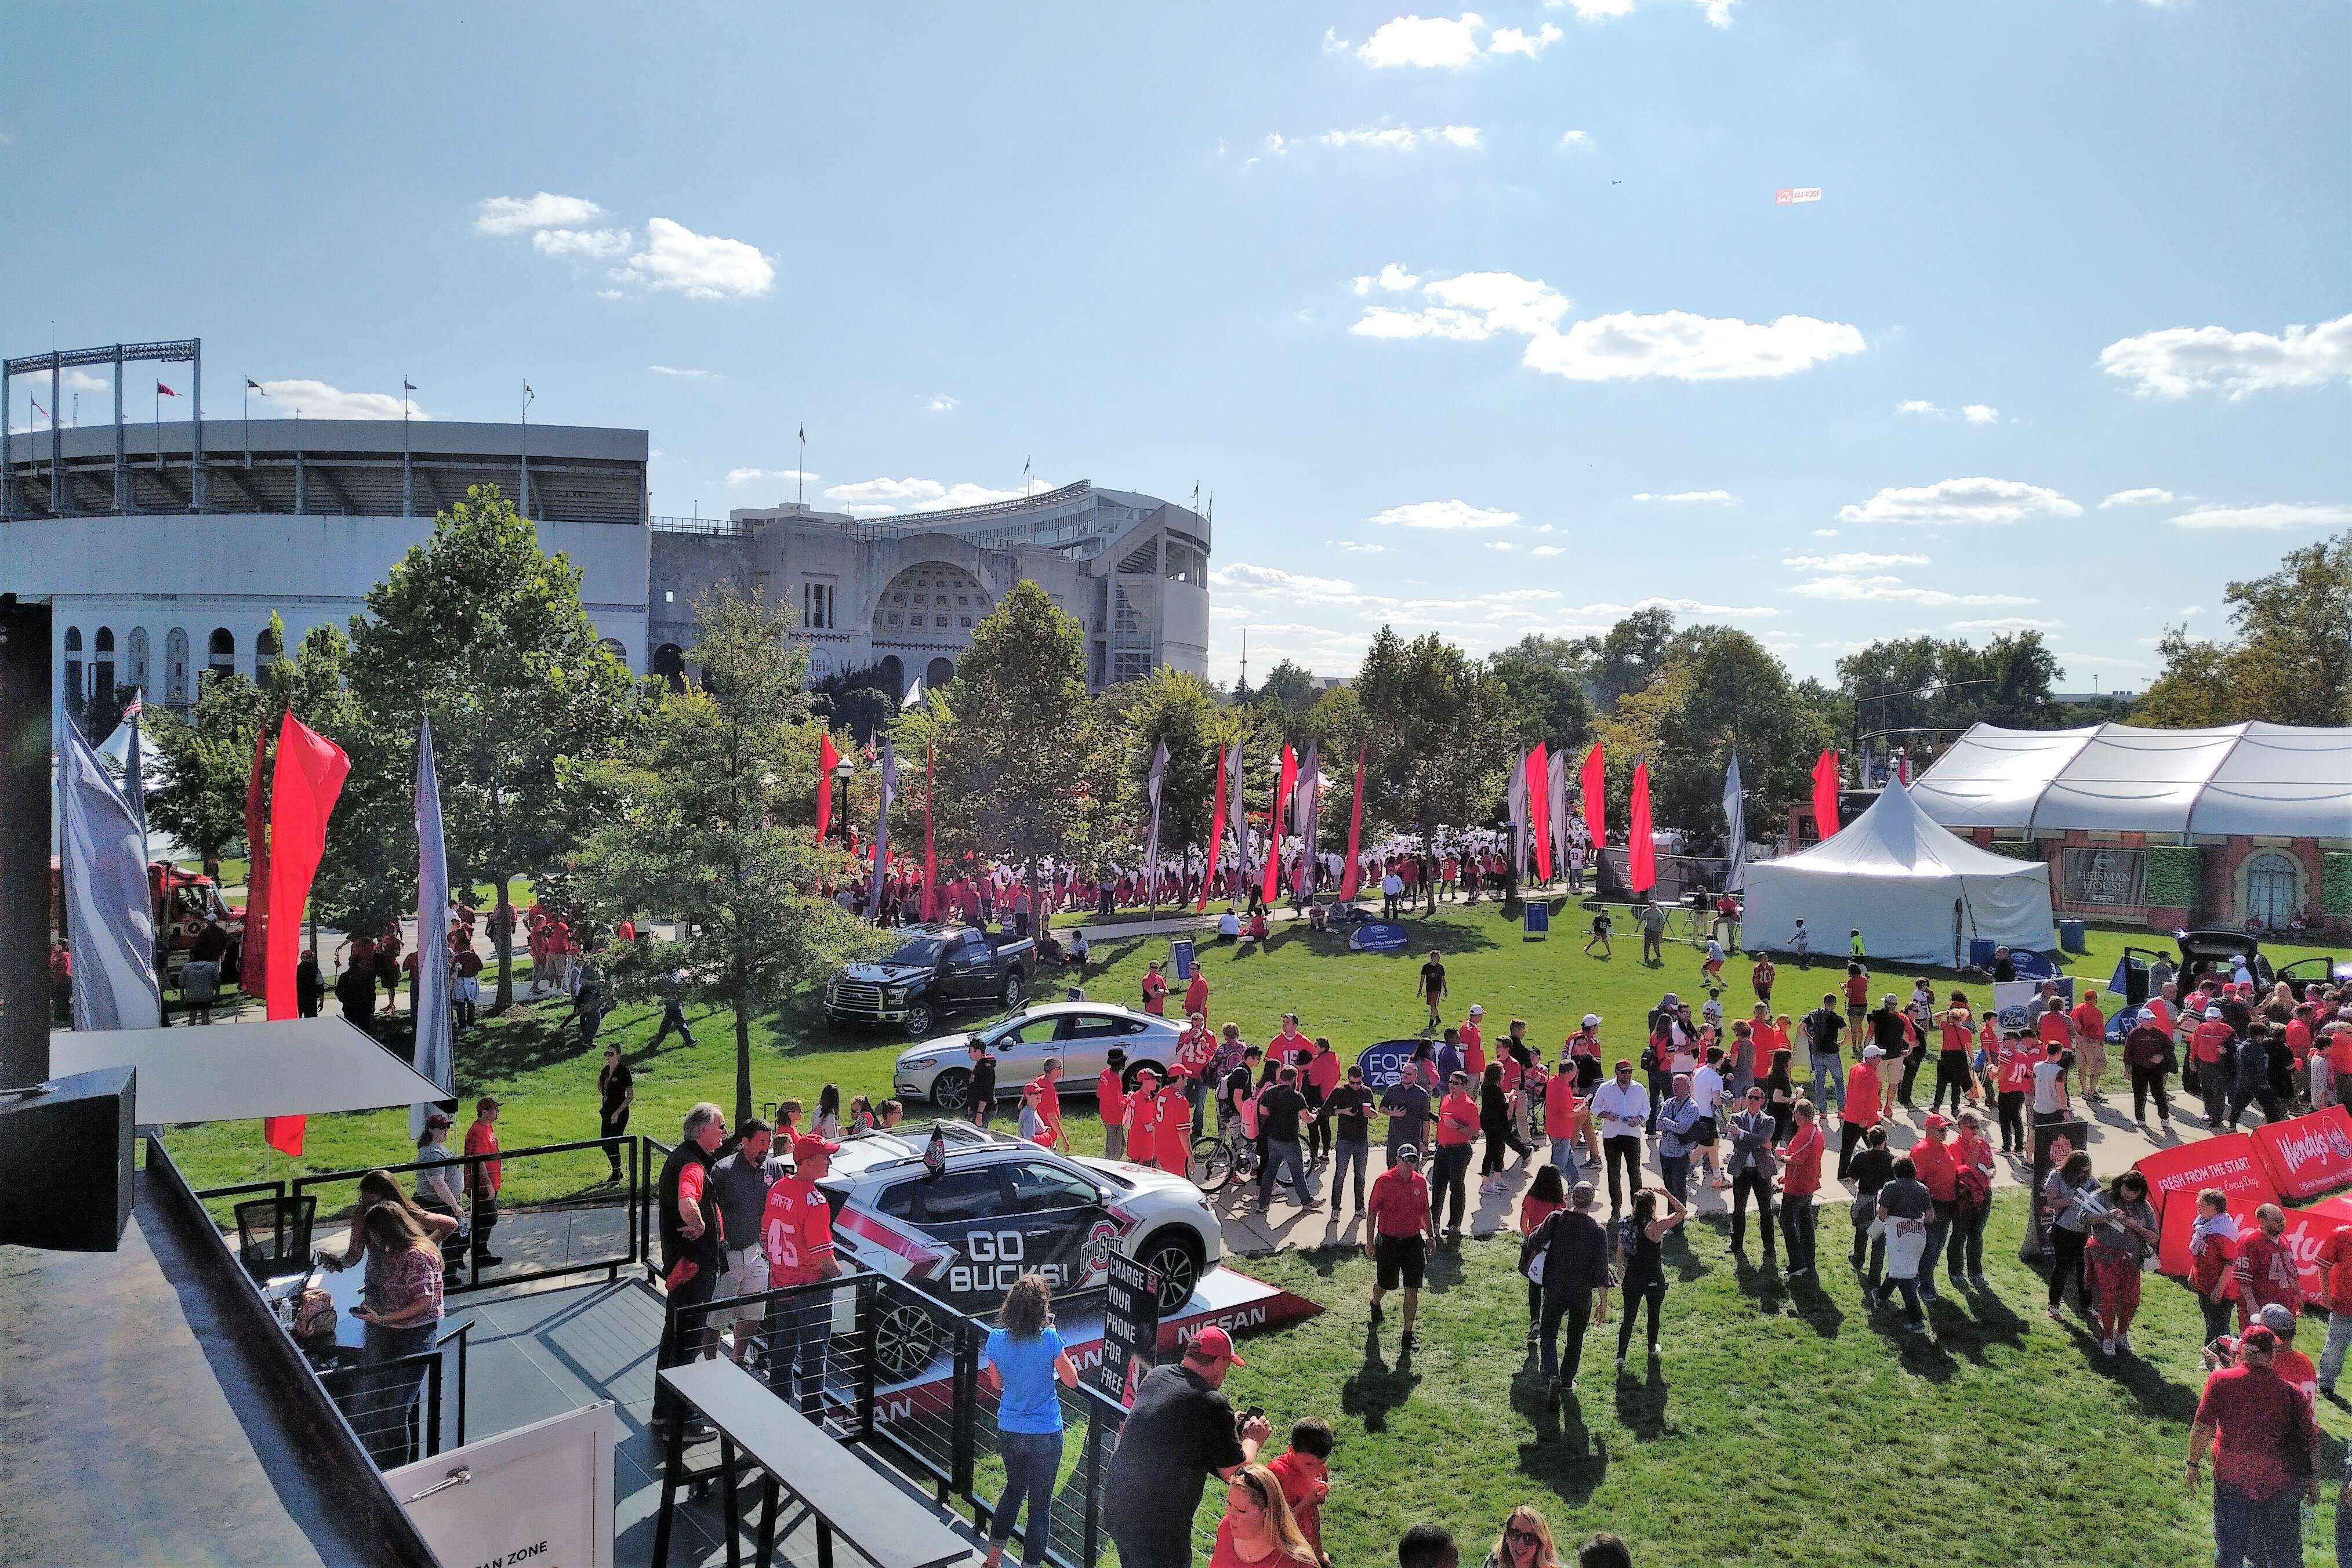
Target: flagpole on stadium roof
[(407, 467), (800, 472)]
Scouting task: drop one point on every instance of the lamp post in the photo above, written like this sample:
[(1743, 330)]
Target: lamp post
[(841, 772)]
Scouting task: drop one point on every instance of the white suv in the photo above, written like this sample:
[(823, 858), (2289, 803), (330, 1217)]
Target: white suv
[(1000, 1209)]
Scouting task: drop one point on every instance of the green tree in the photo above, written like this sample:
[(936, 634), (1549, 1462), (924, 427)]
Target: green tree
[(1631, 655), (2194, 691), (1178, 709), (1023, 756), (481, 631), (1289, 686), (2291, 661), (1438, 743), (1736, 695), (859, 702), (207, 759), (712, 826), (1545, 679)]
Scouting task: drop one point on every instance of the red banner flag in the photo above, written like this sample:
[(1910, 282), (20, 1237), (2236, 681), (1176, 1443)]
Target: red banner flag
[(1826, 794), (1349, 879), (302, 792), (1641, 855), (930, 860), (1539, 809), (1217, 835), (828, 757), (255, 962), (1286, 781), (1596, 802)]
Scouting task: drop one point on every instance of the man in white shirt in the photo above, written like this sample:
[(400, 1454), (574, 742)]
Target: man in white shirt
[(2050, 1083), (1623, 1108), (1706, 1093), (1392, 890)]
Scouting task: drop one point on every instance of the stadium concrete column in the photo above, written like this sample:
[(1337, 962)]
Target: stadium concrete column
[(57, 443), (121, 452), (196, 428)]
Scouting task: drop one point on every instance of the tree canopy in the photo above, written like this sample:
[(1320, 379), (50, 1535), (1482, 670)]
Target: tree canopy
[(2290, 662)]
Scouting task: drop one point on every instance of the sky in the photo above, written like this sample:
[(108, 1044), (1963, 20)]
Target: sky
[(1482, 322)]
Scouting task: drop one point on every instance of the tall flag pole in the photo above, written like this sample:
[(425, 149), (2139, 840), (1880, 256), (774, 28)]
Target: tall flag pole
[(1641, 854), (882, 827), (828, 757), (1284, 782), (1540, 810), (1216, 834), (110, 919), (1735, 815), (1353, 878), (253, 970), (1590, 784), (436, 1047), (1153, 785), (302, 793), (1825, 793)]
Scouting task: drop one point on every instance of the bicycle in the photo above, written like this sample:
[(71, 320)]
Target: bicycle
[(1217, 1159)]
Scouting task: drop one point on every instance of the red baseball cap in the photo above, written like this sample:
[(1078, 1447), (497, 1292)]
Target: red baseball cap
[(1214, 1344)]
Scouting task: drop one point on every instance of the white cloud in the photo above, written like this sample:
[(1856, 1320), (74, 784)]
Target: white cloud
[(1718, 12), (317, 400), (1916, 406), (1512, 41), (1444, 514), (673, 370), (2190, 611), (1549, 549), (940, 403), (2110, 660), (1825, 533), (1425, 42), (2177, 360), (1500, 544), (73, 380), (520, 215), (2008, 624), (1359, 547), (1893, 590), (699, 266), (1382, 138), (1723, 496), (1852, 560), (2150, 495), (1981, 414), (1960, 500), (2272, 516), (1471, 307), (594, 244), (1243, 577), (776, 476), (1390, 279), (1576, 140), (877, 498), (610, 294)]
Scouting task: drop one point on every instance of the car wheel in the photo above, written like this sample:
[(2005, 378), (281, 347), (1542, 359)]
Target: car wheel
[(1177, 1256), (906, 1341), (1013, 992), (1213, 1162), (951, 1090), (920, 1019)]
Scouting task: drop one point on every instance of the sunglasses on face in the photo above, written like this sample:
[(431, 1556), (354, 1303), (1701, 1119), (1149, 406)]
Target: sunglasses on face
[(1521, 1537)]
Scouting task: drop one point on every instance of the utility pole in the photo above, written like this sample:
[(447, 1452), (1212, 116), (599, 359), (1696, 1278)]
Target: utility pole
[(524, 502)]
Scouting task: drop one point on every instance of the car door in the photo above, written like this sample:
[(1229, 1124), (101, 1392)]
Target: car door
[(965, 973), (960, 1213), (1021, 1052), (2307, 972), (1085, 1039), (1065, 1233)]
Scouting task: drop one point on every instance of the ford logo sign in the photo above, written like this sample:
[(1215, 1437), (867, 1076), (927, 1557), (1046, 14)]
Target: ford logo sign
[(1379, 936)]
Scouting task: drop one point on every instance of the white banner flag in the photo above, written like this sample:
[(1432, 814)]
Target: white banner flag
[(1734, 811), (430, 995), (110, 918)]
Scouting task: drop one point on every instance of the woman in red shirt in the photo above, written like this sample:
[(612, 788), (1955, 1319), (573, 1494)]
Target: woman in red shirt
[(1801, 1178), (1971, 1202), (1143, 1120), (1546, 1197), (1258, 1527)]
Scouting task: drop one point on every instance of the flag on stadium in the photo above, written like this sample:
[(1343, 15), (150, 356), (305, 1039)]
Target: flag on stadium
[(162, 391)]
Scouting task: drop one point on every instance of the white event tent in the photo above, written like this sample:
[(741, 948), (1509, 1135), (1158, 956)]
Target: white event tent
[(1917, 893), (2250, 780)]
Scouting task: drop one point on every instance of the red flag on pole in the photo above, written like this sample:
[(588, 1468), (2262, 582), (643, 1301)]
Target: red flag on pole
[(1589, 781), (1641, 855), (309, 777), (931, 860), (1354, 873), (1825, 793), (162, 391), (1284, 784), (828, 757), (1216, 834), (1539, 809), (256, 959)]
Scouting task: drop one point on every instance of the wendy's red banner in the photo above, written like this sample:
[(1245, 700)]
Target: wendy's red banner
[(2230, 1162), (2308, 1155)]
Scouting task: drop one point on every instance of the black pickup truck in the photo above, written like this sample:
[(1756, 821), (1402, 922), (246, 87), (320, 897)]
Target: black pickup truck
[(938, 970)]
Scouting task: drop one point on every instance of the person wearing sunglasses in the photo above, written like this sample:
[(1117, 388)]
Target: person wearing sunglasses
[(1751, 1167), (1526, 1541)]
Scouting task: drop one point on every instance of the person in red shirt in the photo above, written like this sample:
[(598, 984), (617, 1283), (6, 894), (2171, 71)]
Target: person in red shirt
[(1110, 1102), (1316, 1080), (1801, 1178), (1860, 1111), (484, 1179), (1172, 1137), (1196, 993), (2336, 1283), (2265, 1270), (1398, 1232), (2265, 1451), (2013, 1066), (2212, 1256), (1565, 1122), (1289, 1047), (2209, 1047), (1473, 1045), (1142, 1111), (2090, 1045), (1048, 1085), (1457, 1128), (1759, 979), (1305, 1475), (1155, 989), (796, 1233)]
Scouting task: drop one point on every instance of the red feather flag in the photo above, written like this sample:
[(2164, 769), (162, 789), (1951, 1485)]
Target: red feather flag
[(1825, 793), (1595, 801), (1217, 835), (1354, 874), (1539, 809), (1641, 855), (302, 793), (1284, 784), (256, 961), (828, 757)]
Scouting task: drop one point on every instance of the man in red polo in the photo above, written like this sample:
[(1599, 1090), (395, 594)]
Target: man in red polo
[(1398, 1232), (2265, 1451)]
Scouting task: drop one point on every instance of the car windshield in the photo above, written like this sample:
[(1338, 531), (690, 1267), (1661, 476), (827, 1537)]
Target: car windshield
[(922, 952)]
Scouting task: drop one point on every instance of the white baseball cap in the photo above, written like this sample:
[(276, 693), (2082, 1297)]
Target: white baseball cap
[(1592, 1020), (1477, 1010)]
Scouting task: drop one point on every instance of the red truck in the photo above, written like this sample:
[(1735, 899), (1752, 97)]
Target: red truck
[(182, 900)]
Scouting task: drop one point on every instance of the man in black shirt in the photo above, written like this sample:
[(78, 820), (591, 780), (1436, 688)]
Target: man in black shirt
[(1433, 988), (1887, 1032), (1351, 1104), (1407, 1105), (1179, 1431), (983, 1082), (687, 1222), (1576, 1266), (1823, 1026), (1279, 1107)]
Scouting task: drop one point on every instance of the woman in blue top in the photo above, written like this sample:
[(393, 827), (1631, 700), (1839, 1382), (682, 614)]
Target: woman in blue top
[(1023, 1359)]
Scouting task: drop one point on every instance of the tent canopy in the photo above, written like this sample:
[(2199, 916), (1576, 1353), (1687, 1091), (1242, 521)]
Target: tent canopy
[(231, 1072), (2251, 779), (1916, 893)]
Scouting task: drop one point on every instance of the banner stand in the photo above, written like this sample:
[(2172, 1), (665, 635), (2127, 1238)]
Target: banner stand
[(2053, 1141)]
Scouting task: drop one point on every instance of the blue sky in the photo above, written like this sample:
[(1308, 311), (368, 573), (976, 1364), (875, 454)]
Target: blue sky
[(1428, 299)]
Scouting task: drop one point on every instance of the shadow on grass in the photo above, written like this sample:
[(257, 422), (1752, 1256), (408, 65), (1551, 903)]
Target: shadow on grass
[(1642, 1402), (1815, 1306), (508, 1048), (1563, 1456), (1444, 1270), (1376, 1388)]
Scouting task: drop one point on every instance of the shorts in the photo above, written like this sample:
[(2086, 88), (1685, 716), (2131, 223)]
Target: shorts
[(469, 988), (1704, 1132), (1401, 1258), (747, 1275)]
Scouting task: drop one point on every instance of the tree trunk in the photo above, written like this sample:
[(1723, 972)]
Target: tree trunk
[(742, 1052), (502, 933)]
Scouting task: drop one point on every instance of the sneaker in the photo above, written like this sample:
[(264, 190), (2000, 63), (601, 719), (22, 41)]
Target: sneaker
[(2108, 1346), (1310, 1206), (2053, 1314), (1653, 1349), (1552, 1395), (1410, 1342), (1977, 1279), (1621, 1366), (2123, 1343)]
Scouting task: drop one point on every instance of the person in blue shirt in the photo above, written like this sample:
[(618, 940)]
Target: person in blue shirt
[(1024, 1359), (1449, 1056)]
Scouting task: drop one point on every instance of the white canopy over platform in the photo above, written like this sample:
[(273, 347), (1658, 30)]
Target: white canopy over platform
[(1917, 893), (2251, 779), (232, 1072)]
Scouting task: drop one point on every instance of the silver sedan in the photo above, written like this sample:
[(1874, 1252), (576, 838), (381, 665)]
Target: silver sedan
[(1079, 1034)]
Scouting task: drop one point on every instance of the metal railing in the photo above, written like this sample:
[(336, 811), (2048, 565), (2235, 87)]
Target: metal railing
[(379, 1400), (700, 527)]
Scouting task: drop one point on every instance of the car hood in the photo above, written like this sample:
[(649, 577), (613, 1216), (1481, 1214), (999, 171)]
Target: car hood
[(1143, 1178), (942, 1046), (885, 973)]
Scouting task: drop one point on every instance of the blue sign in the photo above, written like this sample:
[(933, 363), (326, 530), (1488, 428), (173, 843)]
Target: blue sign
[(1180, 952), (2030, 964), (1379, 936), (1384, 1064), (1538, 916)]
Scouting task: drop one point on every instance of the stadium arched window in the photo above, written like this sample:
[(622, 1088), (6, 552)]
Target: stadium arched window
[(894, 677), (71, 684), (940, 672), (614, 646), (101, 674), (175, 666), (669, 663), (222, 658), (137, 675)]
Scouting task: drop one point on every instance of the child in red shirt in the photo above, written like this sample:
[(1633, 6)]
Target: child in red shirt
[(1305, 1475)]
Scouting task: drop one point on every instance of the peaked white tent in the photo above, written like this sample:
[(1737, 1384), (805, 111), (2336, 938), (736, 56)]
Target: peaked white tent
[(1918, 894)]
